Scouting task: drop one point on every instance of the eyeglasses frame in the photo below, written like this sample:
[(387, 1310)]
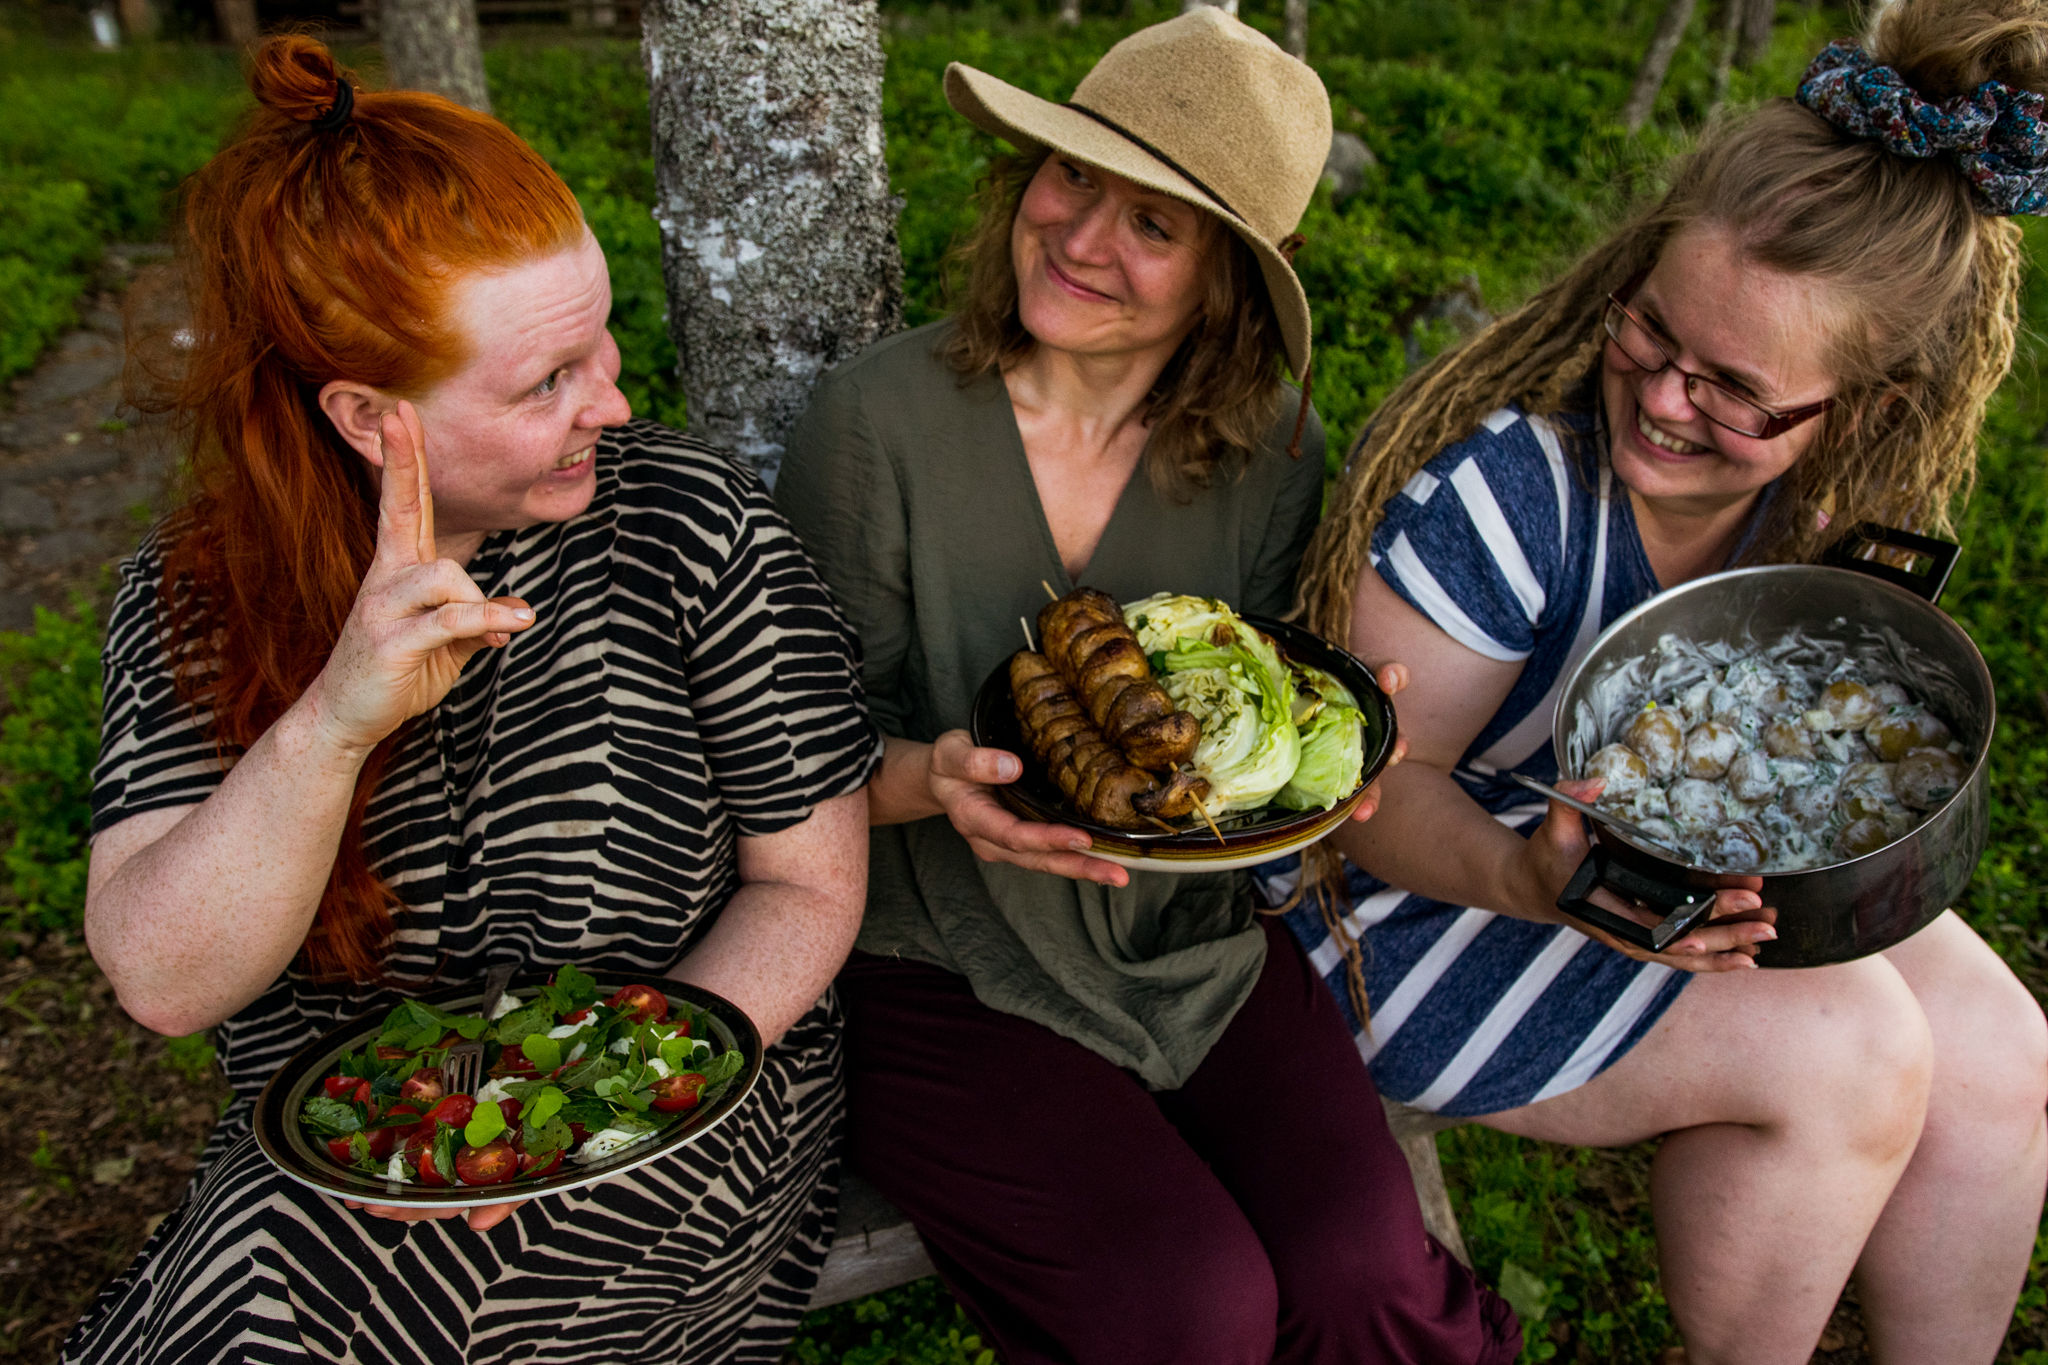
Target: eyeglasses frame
[(1775, 423)]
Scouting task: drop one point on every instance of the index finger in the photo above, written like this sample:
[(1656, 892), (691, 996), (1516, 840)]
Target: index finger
[(400, 516), (409, 417)]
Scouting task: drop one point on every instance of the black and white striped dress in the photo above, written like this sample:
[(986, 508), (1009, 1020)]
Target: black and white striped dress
[(575, 798)]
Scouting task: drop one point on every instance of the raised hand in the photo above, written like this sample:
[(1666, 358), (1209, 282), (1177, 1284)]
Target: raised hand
[(1726, 941), (417, 619)]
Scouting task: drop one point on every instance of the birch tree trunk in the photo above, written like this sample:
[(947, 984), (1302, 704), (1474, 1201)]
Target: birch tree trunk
[(1757, 18), (778, 232), (1070, 13), (1294, 29), (1642, 97), (433, 45), (237, 21), (1724, 52), (1229, 7)]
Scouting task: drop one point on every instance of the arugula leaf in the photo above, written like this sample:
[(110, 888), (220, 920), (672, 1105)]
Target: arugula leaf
[(548, 1138), (470, 1026), (410, 1025), (723, 1068), (677, 1052), (590, 1112), (571, 990), (331, 1118), (359, 1150), (590, 1071), (484, 1125)]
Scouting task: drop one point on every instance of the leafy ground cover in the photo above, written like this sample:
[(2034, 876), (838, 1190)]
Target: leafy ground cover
[(1495, 161)]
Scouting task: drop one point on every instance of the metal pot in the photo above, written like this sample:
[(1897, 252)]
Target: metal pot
[(1843, 910)]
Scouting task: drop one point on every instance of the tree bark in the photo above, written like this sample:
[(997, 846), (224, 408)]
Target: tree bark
[(433, 45), (1642, 97), (138, 19), (778, 230), (1229, 7), (1294, 29), (1724, 52), (237, 21), (1070, 13), (1755, 38)]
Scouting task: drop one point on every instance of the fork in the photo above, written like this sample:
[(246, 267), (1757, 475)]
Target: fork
[(463, 1067)]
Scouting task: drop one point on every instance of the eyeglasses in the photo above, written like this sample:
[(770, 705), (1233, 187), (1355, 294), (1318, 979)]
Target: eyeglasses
[(1720, 405)]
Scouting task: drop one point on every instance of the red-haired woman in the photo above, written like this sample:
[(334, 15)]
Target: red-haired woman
[(577, 697)]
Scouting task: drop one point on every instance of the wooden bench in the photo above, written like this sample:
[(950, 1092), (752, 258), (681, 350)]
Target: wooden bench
[(877, 1249)]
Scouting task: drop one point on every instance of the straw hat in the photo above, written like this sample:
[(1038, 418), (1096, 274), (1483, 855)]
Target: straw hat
[(1203, 108)]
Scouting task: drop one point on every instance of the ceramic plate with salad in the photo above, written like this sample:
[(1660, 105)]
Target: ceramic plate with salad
[(586, 1075)]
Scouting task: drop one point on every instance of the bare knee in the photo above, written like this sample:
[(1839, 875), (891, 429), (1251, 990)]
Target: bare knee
[(1991, 1051), (1869, 1064)]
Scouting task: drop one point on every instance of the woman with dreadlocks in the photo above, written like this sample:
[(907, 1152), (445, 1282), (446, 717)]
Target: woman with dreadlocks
[(1799, 337)]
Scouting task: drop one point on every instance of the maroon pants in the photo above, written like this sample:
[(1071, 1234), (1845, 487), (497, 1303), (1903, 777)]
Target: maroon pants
[(1262, 1212)]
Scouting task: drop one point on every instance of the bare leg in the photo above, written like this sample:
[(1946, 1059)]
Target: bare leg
[(1944, 1265), (1792, 1100)]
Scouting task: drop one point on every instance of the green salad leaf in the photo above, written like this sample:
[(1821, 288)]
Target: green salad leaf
[(331, 1118), (544, 1052), (485, 1125)]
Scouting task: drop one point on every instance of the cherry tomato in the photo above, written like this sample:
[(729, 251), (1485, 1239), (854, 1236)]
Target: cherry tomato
[(677, 1092), (424, 1087), (511, 1108), (578, 1135), (428, 1175), (342, 1150), (512, 1062), (384, 1140), (491, 1164), (578, 1017), (545, 1166), (350, 1088), (454, 1110), (646, 1004)]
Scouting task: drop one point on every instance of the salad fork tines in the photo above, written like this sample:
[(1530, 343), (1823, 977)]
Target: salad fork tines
[(464, 1064)]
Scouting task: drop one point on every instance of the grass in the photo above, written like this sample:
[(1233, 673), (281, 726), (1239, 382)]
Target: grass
[(1495, 161)]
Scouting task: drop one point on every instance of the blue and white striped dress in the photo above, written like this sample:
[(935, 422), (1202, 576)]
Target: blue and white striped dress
[(1519, 545)]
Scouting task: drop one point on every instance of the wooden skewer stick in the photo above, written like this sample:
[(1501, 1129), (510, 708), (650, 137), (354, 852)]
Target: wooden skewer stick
[(1169, 828), (1203, 811), (1048, 590), (1027, 633)]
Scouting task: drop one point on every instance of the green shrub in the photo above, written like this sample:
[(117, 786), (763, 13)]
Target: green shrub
[(50, 683)]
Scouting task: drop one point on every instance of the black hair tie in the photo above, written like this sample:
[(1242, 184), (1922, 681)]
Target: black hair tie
[(344, 108)]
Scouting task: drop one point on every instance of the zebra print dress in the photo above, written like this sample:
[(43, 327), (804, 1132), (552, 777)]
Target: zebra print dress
[(577, 797)]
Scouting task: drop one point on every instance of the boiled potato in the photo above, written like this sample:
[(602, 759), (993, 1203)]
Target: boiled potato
[(1709, 749), (1737, 846), (1624, 771), (1788, 739), (1904, 728), (1752, 776), (1927, 777), (1697, 804)]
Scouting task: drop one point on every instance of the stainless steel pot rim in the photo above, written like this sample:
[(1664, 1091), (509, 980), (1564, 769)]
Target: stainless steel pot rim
[(1967, 650)]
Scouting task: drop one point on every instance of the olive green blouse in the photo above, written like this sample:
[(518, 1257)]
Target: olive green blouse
[(912, 493)]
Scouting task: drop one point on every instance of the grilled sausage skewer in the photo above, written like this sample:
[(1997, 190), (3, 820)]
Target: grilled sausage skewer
[(1094, 774), (1084, 636)]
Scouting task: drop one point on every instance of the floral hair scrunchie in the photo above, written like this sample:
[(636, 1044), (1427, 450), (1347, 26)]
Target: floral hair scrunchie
[(1993, 134)]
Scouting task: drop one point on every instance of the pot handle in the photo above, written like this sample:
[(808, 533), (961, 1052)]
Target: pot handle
[(1683, 907), (1925, 582)]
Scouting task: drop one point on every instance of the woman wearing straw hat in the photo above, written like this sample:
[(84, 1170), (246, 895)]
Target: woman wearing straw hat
[(1119, 1108)]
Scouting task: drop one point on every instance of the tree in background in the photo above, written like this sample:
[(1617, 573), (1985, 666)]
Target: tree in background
[(237, 21), (1294, 29), (1656, 62), (433, 45), (778, 232)]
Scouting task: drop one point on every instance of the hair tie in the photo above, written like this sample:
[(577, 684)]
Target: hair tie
[(1993, 134), (344, 107)]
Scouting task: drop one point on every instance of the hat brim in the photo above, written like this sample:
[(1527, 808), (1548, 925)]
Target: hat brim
[(1029, 122)]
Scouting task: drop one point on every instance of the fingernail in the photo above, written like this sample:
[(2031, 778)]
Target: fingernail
[(1767, 935), (1007, 768), (522, 613), (1081, 845)]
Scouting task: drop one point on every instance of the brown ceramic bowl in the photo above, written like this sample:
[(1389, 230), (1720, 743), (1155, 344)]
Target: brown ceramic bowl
[(1248, 837)]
